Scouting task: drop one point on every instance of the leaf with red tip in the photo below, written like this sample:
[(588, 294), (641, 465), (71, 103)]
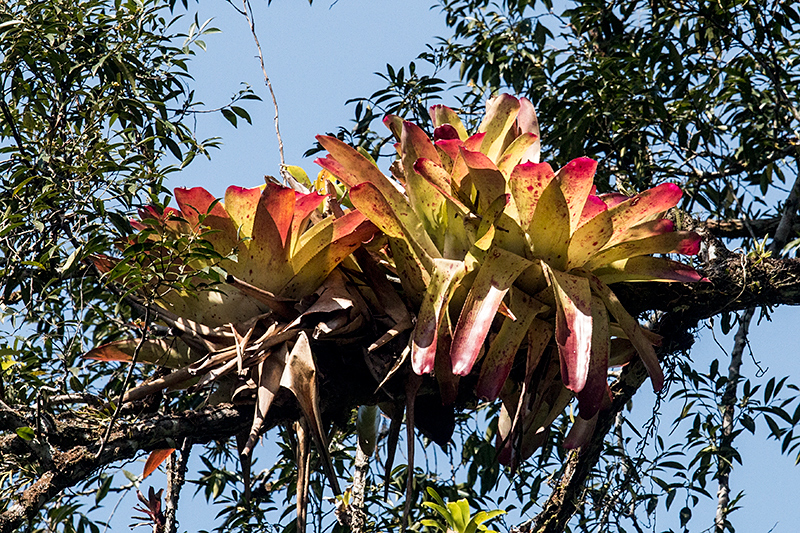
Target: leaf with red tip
[(632, 330), (304, 206), (279, 204), (441, 115), (241, 204), (352, 168), (448, 151), (593, 207), (634, 210), (646, 268), (577, 179), (681, 242), (484, 176), (431, 313), (549, 230), (445, 131), (498, 361), (495, 277), (395, 125), (501, 113), (527, 182), (263, 261), (527, 122), (590, 398), (197, 201), (573, 297), (515, 153), (155, 458), (439, 178)]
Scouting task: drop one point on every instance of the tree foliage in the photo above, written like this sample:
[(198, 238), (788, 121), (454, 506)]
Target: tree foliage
[(97, 108)]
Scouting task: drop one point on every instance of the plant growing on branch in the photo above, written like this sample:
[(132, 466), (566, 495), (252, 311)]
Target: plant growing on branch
[(484, 227)]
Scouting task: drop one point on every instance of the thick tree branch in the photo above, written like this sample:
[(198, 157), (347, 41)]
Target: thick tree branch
[(738, 228), (78, 462)]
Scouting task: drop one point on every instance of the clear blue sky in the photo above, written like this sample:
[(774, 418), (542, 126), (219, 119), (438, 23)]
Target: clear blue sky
[(318, 57)]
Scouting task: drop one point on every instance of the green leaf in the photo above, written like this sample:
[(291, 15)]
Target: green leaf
[(299, 174), (229, 115), (686, 515), (26, 433)]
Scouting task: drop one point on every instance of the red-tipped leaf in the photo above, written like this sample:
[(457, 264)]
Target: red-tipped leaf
[(495, 277), (431, 313), (573, 297)]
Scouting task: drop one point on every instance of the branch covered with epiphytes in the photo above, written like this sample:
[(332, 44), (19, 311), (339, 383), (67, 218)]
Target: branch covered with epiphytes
[(498, 256)]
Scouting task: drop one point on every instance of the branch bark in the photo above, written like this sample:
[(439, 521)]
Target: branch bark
[(79, 460)]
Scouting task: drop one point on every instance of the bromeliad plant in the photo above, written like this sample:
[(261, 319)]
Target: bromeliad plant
[(249, 333), (478, 227)]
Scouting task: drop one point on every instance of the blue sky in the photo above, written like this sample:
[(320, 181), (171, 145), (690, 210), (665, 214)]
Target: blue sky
[(319, 56)]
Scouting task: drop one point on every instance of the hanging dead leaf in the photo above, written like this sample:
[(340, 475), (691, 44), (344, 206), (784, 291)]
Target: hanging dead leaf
[(300, 377)]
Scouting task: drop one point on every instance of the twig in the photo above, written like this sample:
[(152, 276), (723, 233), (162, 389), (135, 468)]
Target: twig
[(125, 383), (176, 477), (247, 11), (15, 132)]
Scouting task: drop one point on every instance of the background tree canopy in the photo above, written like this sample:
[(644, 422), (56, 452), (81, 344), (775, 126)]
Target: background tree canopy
[(98, 108)]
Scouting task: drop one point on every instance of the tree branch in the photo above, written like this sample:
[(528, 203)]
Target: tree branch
[(737, 228), (79, 461)]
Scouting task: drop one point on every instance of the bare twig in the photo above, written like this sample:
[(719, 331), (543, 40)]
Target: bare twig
[(247, 11), (176, 476), (125, 383), (729, 397)]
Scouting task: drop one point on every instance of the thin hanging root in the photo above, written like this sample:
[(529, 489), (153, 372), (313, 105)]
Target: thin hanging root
[(303, 472), (412, 387), (391, 450), (244, 461)]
